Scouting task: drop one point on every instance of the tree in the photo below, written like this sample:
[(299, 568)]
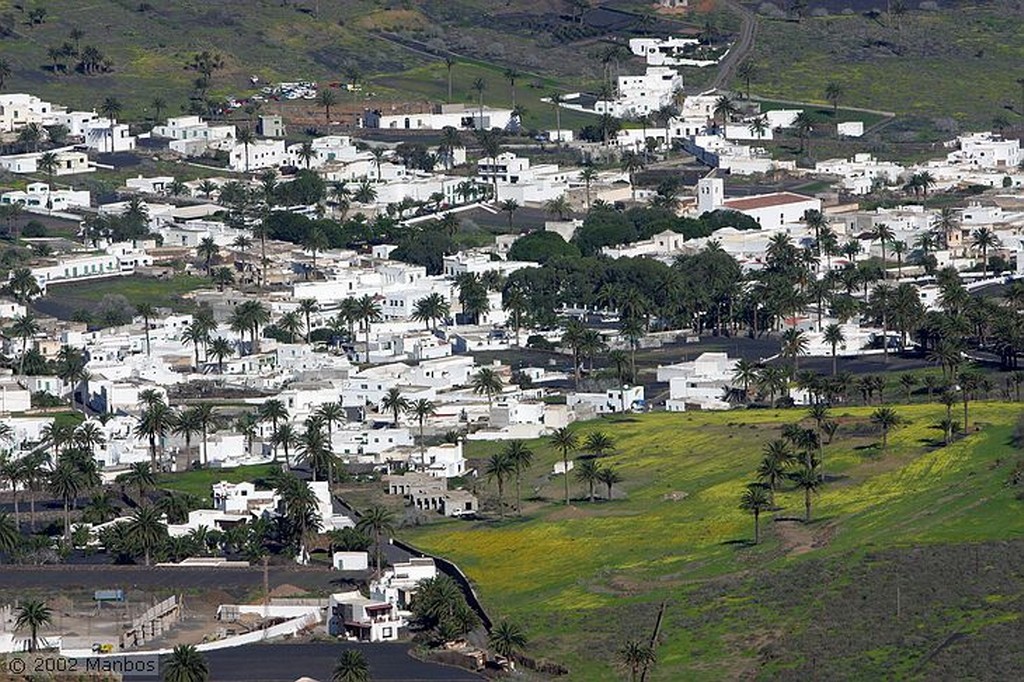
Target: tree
[(307, 307), (834, 337), (10, 535), (66, 482), (507, 639), (521, 458), (24, 327), (422, 409), (111, 108), (756, 499), (351, 667), (220, 348), (326, 99), (32, 614), (809, 480), (186, 424), (804, 126), (48, 163), (886, 419), (984, 239), (609, 476), (431, 309), (207, 251), (275, 412), (368, 312), (5, 72), (631, 164), (794, 344), (153, 425), (449, 63), (833, 93), (395, 403), (567, 441), (479, 85), (487, 382), (376, 522), (511, 75), (499, 468), (556, 101), (146, 530), (509, 206), (245, 137), (23, 285), (100, 508), (185, 664), (558, 207), (747, 70), (636, 657)]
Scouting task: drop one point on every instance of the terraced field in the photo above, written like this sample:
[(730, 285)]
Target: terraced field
[(584, 578)]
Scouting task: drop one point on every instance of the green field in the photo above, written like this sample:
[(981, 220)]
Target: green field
[(431, 83), (952, 64), (156, 292), (198, 482), (583, 579)]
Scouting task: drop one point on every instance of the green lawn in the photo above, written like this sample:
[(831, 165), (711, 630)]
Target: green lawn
[(584, 578), (198, 482)]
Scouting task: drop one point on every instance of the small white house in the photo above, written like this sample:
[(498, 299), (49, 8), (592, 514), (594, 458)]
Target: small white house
[(350, 561)]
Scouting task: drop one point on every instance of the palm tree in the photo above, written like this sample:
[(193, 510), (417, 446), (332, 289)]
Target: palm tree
[(794, 344), (275, 412), (431, 309), (834, 337), (220, 348), (32, 614), (586, 471), (100, 508), (636, 657), (588, 175), (307, 307), (153, 425), (10, 535), (377, 521), (245, 137), (352, 665), (809, 480), (833, 93), (804, 126), (479, 85), (66, 482), (395, 403), (5, 72), (186, 424), (509, 206), (984, 238), (746, 71), (631, 163), (507, 639), (286, 437), (599, 443), (487, 382), (886, 419), (139, 475), (567, 441), (499, 468), (609, 476), (449, 62), (368, 312), (556, 102), (326, 99), (422, 409), (521, 457), (185, 664), (756, 498), (24, 327), (146, 530), (111, 108)]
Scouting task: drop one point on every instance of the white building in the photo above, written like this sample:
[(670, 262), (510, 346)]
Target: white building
[(258, 155), (986, 150), (458, 116), (17, 110), (69, 162), (676, 51), (519, 181), (700, 383), (771, 211), (356, 618), (860, 174), (38, 197), (398, 584), (639, 95), (625, 399)]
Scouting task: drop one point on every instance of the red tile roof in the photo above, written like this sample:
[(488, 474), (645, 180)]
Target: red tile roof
[(766, 201)]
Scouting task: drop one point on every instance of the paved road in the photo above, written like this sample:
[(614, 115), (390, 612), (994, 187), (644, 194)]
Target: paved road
[(739, 49), (107, 577), (287, 662)]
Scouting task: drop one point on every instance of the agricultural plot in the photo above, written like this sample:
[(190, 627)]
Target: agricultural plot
[(949, 65), (674, 532)]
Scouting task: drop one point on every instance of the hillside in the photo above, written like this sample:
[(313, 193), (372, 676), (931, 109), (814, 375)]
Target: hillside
[(583, 579)]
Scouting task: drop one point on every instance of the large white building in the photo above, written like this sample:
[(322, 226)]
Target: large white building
[(639, 95), (458, 116), (39, 197), (985, 150), (676, 51), (771, 211), (518, 180)]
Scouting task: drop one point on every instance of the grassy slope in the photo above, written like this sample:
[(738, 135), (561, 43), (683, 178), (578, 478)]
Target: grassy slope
[(601, 569), (953, 63)]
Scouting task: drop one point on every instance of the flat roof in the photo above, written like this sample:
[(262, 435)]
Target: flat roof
[(766, 201)]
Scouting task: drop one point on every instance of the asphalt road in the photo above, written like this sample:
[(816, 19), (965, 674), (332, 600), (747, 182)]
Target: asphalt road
[(287, 662), (97, 577)]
